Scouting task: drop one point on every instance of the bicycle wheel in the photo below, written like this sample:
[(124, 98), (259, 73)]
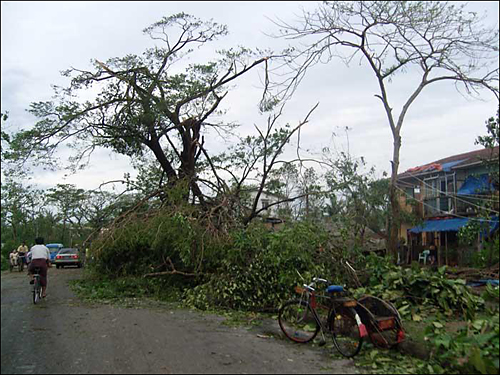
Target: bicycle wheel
[(36, 291), (382, 320), (296, 320), (386, 337), (345, 332)]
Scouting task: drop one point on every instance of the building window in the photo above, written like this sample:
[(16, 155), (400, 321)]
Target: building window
[(265, 203), (410, 193), (431, 188)]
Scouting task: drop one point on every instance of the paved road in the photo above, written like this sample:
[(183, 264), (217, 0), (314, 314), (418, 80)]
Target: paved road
[(65, 335)]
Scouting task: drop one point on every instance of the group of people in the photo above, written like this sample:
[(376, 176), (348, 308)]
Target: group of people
[(19, 255), (39, 256)]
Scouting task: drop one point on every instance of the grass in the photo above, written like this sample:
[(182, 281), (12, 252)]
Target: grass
[(94, 289)]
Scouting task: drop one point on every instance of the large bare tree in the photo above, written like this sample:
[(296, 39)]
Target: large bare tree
[(441, 42)]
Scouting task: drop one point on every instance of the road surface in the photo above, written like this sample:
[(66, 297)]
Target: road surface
[(63, 334)]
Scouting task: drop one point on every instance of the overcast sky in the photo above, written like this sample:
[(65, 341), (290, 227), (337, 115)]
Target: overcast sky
[(40, 39)]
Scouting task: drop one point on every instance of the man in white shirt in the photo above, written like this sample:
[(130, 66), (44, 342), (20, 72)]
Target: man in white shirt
[(40, 257)]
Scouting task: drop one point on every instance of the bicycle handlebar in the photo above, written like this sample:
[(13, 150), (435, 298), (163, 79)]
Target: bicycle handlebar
[(316, 280)]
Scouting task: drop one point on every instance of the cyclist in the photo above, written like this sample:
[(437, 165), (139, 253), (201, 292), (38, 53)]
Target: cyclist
[(40, 257), (21, 251)]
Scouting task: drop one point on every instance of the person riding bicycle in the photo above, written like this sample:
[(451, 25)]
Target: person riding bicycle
[(40, 257), (21, 252)]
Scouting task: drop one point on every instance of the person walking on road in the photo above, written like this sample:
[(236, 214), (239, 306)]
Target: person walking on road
[(13, 259), (22, 250), (40, 257)]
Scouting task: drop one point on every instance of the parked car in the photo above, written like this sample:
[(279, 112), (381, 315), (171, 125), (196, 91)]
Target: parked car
[(68, 257), (54, 248)]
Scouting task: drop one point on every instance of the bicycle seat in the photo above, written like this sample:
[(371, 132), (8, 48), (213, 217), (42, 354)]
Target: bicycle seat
[(335, 289)]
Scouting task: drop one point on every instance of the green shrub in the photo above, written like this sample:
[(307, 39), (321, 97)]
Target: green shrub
[(142, 245), (244, 268), (5, 263), (420, 286), (474, 349), (261, 268)]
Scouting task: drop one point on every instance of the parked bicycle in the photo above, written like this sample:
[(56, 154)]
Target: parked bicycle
[(331, 313), (37, 287)]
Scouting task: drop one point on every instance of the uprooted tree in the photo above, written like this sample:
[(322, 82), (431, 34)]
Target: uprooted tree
[(143, 103), (156, 104), (439, 41)]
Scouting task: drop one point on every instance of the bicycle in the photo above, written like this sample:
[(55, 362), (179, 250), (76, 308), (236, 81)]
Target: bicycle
[(300, 321), (37, 287), (20, 262)]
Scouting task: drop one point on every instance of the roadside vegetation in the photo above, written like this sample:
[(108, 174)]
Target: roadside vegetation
[(458, 330)]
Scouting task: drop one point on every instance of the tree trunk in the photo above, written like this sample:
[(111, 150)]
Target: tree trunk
[(14, 232), (395, 221), (63, 231), (154, 146)]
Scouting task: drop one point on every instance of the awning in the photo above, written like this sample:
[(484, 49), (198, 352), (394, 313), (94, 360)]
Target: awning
[(476, 185), (444, 225), (452, 225)]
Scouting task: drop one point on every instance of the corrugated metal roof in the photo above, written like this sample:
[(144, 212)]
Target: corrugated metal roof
[(450, 162)]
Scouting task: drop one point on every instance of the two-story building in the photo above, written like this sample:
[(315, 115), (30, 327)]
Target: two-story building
[(444, 196), (271, 209)]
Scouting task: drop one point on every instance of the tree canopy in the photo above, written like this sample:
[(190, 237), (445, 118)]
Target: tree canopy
[(141, 103)]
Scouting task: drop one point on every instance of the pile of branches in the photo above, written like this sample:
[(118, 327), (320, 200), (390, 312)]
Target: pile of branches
[(469, 274), (150, 218)]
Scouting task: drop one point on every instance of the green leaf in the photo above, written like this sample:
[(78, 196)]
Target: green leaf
[(444, 341), (478, 324), (416, 318), (310, 328), (477, 360)]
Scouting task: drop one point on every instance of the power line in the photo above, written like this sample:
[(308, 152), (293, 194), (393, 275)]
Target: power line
[(445, 194), (449, 213), (454, 195)]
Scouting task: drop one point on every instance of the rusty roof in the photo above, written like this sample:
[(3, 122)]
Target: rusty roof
[(455, 161)]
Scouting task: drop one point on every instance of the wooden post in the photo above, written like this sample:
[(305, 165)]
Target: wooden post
[(410, 249), (446, 247), (439, 251)]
